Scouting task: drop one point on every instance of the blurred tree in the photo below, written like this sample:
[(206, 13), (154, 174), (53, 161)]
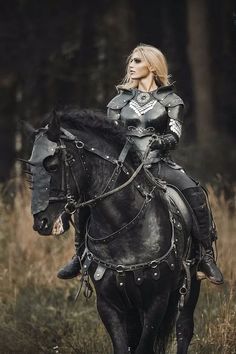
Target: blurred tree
[(199, 56), (73, 52)]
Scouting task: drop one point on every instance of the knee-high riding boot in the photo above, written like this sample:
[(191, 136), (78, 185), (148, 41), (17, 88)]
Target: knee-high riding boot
[(200, 206), (73, 268)]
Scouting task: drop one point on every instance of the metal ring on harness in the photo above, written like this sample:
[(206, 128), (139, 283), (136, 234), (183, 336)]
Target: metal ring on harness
[(183, 290), (119, 163), (154, 264), (120, 268), (89, 256), (70, 208), (79, 144)]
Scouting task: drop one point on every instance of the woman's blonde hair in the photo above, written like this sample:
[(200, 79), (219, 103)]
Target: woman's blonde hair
[(155, 60)]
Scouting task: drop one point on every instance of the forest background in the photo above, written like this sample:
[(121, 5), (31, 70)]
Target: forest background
[(71, 52)]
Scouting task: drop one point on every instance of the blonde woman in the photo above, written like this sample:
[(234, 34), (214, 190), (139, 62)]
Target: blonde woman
[(146, 104)]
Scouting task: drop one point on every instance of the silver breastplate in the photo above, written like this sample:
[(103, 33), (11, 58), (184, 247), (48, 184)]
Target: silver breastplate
[(144, 116)]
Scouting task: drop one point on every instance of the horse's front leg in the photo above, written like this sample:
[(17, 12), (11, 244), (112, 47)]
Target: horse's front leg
[(185, 323), (115, 322), (152, 319)]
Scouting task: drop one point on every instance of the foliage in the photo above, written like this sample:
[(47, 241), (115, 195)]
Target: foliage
[(37, 310)]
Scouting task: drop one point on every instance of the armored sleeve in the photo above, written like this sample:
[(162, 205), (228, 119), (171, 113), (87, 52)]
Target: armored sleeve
[(175, 109)]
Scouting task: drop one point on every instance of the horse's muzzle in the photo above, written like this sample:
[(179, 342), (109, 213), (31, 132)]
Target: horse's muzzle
[(42, 225), (55, 225)]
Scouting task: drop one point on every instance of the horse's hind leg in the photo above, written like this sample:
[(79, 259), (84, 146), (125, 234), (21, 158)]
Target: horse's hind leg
[(185, 322), (115, 322)]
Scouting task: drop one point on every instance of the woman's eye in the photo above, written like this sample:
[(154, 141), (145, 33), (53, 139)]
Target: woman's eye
[(51, 163), (135, 60)]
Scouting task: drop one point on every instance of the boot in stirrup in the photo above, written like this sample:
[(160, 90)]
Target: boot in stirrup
[(73, 268), (70, 270), (208, 265)]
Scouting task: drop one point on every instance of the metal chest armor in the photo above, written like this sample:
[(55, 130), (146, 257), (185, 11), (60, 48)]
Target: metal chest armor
[(146, 113)]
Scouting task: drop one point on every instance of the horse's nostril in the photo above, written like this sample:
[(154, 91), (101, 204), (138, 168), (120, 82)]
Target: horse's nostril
[(43, 223)]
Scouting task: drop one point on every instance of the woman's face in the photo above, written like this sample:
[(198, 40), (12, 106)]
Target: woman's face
[(138, 68)]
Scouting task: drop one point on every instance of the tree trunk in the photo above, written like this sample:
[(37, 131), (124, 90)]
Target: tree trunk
[(199, 57), (7, 128)]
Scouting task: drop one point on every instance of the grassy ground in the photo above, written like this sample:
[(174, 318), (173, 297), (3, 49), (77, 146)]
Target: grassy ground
[(37, 310)]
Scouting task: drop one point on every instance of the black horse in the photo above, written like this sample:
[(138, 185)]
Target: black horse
[(137, 245)]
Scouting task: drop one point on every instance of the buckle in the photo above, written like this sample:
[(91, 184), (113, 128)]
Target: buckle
[(149, 197)]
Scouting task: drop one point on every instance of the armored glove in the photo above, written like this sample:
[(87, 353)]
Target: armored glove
[(163, 142)]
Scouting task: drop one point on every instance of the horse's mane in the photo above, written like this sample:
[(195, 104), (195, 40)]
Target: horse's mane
[(92, 121)]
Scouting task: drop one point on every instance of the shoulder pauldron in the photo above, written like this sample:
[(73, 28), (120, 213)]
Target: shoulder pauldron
[(174, 105), (121, 100)]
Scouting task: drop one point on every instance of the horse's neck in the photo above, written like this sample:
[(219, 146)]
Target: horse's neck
[(125, 206), (119, 209), (134, 237), (98, 175)]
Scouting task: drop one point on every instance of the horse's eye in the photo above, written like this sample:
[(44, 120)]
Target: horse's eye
[(51, 163)]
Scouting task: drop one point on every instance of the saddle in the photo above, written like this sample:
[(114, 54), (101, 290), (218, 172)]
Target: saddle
[(182, 211)]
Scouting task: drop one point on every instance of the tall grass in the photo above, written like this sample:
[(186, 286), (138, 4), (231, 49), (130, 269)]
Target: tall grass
[(37, 310)]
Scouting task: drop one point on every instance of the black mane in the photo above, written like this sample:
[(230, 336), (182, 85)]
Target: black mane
[(89, 120)]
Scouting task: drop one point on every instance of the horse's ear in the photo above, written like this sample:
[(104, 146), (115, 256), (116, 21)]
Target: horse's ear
[(27, 129), (54, 126)]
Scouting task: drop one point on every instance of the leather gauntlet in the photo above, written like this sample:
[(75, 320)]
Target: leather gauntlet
[(164, 142)]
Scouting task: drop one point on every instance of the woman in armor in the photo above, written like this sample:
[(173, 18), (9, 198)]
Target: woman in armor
[(146, 104)]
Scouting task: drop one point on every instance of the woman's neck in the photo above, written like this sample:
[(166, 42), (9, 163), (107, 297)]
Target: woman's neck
[(147, 84)]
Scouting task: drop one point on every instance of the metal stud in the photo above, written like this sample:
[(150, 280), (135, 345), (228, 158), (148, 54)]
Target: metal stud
[(121, 284)]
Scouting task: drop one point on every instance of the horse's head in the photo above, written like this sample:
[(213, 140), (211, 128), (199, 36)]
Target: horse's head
[(54, 180)]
